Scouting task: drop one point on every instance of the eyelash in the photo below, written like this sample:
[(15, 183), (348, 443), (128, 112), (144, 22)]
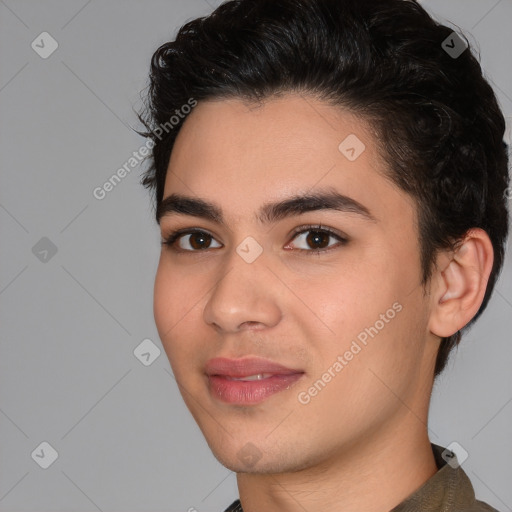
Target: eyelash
[(175, 235)]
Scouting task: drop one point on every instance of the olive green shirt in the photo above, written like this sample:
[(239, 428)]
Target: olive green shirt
[(449, 490)]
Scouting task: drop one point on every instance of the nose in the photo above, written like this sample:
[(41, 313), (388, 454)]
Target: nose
[(245, 296)]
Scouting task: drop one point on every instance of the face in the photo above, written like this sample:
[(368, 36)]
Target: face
[(321, 298)]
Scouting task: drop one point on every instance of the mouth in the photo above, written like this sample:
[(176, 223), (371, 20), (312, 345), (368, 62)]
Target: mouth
[(248, 381)]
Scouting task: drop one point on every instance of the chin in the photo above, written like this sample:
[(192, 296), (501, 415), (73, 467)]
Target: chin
[(246, 456), (257, 467)]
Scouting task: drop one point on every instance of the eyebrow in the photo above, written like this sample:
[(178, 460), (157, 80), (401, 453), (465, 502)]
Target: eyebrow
[(269, 213)]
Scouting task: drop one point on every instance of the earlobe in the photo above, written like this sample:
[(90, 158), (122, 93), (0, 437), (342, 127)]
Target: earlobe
[(461, 284)]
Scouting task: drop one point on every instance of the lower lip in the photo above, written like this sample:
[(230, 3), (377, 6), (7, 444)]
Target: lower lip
[(248, 392)]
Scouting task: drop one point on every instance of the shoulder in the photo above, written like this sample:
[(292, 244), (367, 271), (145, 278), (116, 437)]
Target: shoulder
[(480, 506)]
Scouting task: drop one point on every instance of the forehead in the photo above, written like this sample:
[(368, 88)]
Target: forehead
[(298, 131), (243, 155)]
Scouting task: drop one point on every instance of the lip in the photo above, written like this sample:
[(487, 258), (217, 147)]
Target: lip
[(222, 371), (238, 368)]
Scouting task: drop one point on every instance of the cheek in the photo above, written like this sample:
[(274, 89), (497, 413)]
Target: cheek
[(371, 306), (394, 350), (164, 300), (346, 302), (176, 292), (173, 308)]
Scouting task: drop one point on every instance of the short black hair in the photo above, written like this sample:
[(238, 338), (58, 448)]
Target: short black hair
[(436, 118)]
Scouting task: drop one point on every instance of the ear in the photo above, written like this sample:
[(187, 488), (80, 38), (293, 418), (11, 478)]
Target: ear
[(459, 283)]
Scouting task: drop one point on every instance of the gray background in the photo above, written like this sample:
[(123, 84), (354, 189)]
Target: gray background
[(70, 324)]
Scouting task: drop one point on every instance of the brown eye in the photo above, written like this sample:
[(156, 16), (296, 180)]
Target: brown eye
[(316, 239), (191, 241), (200, 240)]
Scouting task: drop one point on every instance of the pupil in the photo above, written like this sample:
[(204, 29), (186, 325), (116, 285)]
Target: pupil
[(315, 238)]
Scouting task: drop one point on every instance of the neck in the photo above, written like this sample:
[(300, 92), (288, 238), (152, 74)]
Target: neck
[(373, 476)]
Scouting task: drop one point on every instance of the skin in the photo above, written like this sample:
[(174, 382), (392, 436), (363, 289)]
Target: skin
[(362, 442)]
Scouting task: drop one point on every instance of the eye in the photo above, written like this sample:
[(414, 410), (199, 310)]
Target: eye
[(196, 239), (316, 239)]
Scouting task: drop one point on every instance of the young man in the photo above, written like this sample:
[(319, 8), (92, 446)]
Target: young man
[(330, 180)]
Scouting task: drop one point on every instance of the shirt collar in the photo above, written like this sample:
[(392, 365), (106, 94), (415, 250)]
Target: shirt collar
[(448, 489)]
